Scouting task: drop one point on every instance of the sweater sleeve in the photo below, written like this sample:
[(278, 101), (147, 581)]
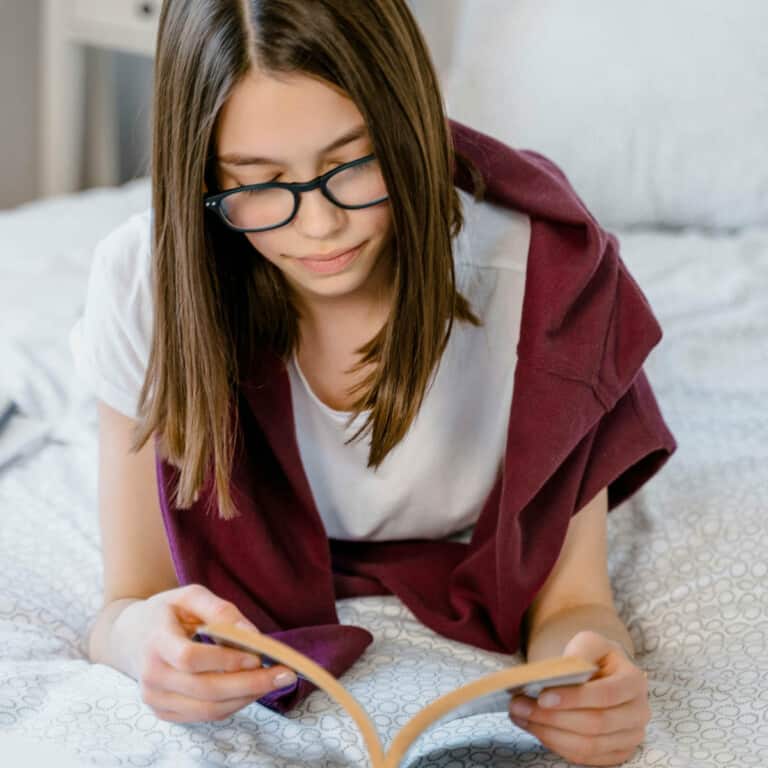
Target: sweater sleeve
[(631, 442), (627, 447)]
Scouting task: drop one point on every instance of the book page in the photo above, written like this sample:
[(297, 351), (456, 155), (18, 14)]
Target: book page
[(486, 691)]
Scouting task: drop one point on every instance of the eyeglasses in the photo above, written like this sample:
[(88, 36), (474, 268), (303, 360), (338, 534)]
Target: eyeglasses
[(259, 207)]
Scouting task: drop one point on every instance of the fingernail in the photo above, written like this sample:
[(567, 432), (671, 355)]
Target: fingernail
[(246, 625), (521, 708), (549, 700), (251, 663), (284, 679)]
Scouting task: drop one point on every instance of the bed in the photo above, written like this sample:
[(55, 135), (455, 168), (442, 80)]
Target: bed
[(687, 552)]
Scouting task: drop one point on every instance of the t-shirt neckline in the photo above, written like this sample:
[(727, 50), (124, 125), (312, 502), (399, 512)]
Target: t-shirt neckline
[(337, 415)]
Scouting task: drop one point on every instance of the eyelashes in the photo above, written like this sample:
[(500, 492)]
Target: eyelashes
[(334, 164)]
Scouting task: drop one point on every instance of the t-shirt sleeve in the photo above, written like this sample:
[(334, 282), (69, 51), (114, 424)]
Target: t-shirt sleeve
[(110, 341)]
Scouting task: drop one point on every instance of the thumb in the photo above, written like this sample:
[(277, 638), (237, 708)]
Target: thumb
[(195, 604), (590, 646)]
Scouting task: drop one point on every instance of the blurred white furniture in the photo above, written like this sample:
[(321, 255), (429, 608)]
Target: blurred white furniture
[(656, 111), (68, 25)]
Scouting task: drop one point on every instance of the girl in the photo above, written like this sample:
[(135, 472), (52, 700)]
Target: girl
[(310, 342)]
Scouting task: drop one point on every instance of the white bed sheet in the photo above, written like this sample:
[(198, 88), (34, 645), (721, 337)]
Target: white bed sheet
[(687, 553)]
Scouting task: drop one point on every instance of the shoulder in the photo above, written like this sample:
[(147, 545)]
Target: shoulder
[(120, 281), (519, 179), (124, 256), (493, 236), (111, 341)]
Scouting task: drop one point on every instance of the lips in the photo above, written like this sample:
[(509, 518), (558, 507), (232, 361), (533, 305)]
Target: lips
[(331, 265), (329, 256)]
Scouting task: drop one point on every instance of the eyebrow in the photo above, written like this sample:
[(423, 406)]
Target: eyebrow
[(235, 158)]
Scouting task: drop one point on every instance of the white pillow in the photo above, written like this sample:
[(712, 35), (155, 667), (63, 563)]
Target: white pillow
[(656, 111)]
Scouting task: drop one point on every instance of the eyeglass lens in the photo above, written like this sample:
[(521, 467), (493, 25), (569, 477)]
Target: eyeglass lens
[(253, 209)]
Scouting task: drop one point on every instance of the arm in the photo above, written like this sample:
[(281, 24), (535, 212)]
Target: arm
[(577, 594), (602, 721), (136, 558)]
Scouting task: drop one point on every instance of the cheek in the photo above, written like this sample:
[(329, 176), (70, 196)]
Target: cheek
[(268, 245), (381, 219)]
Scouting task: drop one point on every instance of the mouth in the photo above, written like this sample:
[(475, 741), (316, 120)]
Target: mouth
[(332, 264), (329, 256)]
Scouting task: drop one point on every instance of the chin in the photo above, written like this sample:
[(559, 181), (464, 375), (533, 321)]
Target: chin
[(333, 286), (341, 284)]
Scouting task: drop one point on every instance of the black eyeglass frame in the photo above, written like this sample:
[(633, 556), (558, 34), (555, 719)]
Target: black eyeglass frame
[(213, 201)]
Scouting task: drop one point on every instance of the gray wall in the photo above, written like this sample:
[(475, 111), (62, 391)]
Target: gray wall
[(19, 61), (133, 97)]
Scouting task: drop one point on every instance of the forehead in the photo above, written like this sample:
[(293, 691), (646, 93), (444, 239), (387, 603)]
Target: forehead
[(285, 119)]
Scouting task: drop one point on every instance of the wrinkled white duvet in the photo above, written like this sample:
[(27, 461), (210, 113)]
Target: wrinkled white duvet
[(687, 553)]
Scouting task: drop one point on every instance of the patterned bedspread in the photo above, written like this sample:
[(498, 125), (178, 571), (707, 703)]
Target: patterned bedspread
[(687, 554)]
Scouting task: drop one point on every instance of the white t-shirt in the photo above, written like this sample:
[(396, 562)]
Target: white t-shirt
[(433, 484)]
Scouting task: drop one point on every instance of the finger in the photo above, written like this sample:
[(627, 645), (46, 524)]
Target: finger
[(615, 758), (178, 709), (176, 648), (600, 693), (216, 686), (195, 602), (186, 655), (590, 722), (584, 749)]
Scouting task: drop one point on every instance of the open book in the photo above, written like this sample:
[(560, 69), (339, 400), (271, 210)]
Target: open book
[(531, 679)]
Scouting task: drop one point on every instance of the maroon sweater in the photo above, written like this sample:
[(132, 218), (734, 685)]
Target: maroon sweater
[(583, 417)]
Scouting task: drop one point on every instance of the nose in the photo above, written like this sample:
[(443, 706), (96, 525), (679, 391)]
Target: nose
[(318, 217)]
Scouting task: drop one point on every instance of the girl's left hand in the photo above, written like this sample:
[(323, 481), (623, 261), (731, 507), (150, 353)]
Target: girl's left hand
[(600, 722)]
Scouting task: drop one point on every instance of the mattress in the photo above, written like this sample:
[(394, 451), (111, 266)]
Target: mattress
[(687, 553)]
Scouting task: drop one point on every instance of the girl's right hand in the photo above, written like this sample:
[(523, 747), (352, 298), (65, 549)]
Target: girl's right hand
[(183, 680)]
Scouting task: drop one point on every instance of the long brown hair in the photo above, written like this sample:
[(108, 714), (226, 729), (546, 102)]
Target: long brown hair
[(216, 299)]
